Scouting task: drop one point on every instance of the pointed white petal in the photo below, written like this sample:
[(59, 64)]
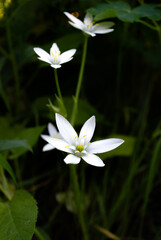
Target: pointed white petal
[(47, 147), (103, 27), (54, 48), (88, 19), (67, 56), (80, 27), (65, 128), (101, 31), (88, 129), (77, 23), (55, 66), (52, 129), (89, 32), (104, 145), (43, 55), (93, 160), (71, 159), (57, 143)]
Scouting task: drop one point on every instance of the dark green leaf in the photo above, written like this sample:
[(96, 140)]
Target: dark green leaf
[(11, 144), (7, 167), (109, 13), (18, 217), (148, 10), (31, 135)]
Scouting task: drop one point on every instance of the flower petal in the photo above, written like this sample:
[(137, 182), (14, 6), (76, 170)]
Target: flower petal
[(72, 159), (104, 145), (67, 56), (88, 129), (52, 129), (93, 160), (77, 23), (48, 147), (89, 32), (55, 66), (80, 27), (54, 48), (103, 27), (88, 19), (66, 130), (57, 143), (44, 56)]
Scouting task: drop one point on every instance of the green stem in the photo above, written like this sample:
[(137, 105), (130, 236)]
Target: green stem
[(73, 172), (78, 201), (14, 64), (18, 172), (76, 98), (158, 28), (147, 24), (57, 85), (39, 235), (4, 53)]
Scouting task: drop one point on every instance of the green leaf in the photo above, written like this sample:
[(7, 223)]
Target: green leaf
[(109, 13), (119, 9), (148, 10), (31, 135), (7, 167), (18, 217), (125, 149), (11, 144)]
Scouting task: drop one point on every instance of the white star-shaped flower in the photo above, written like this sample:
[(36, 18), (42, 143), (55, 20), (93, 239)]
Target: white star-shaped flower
[(55, 58), (80, 146), (88, 25), (52, 133)]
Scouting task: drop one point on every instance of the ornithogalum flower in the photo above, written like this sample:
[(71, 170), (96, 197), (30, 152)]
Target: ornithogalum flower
[(88, 26), (55, 58), (80, 146), (52, 133)]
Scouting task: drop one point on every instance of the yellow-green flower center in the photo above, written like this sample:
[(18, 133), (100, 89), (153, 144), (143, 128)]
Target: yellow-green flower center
[(55, 55), (80, 147)]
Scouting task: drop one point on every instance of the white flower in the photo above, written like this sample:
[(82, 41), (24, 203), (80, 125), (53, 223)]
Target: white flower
[(88, 25), (79, 146), (52, 133), (55, 58)]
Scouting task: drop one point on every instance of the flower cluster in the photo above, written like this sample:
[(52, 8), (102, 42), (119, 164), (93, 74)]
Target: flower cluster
[(80, 146), (55, 58)]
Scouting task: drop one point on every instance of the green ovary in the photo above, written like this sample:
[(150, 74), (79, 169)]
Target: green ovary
[(80, 147)]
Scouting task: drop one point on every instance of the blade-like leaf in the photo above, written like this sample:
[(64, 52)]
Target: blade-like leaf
[(11, 144), (7, 167)]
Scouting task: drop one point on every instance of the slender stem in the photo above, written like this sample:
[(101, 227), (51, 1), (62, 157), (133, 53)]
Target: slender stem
[(57, 85), (39, 235), (73, 172), (147, 24), (78, 201), (158, 28), (14, 64), (76, 98), (4, 53), (18, 172)]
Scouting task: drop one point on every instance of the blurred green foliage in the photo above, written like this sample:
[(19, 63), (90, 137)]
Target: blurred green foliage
[(121, 87)]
